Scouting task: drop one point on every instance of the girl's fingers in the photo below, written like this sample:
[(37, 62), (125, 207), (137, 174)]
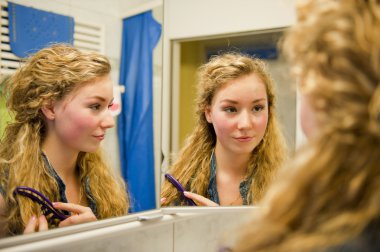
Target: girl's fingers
[(70, 207), (77, 219), (31, 225), (202, 201), (81, 214), (42, 225), (163, 200)]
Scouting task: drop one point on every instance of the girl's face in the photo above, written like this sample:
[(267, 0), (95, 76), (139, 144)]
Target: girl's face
[(83, 116), (239, 114)]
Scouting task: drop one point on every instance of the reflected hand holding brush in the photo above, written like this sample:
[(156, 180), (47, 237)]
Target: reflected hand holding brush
[(53, 215), (180, 189)]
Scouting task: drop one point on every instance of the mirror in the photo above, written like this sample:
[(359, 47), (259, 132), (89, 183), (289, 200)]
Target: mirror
[(225, 23), (100, 34), (189, 55)]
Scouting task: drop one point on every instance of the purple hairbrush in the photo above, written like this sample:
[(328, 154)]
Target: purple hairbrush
[(45, 204), (180, 188)]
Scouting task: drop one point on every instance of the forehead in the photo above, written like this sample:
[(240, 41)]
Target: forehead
[(99, 86), (246, 87)]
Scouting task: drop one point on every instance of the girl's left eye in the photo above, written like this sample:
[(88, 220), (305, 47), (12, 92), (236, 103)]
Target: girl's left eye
[(110, 105), (258, 108)]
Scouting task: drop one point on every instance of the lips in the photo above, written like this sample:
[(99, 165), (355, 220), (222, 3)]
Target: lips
[(99, 137), (244, 139)]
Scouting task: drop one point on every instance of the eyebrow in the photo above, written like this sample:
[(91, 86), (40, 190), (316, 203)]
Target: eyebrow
[(100, 98), (235, 102)]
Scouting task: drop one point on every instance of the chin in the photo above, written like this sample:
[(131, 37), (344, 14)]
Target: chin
[(90, 149), (244, 150)]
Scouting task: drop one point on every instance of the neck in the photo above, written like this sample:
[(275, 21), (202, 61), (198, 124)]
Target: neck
[(232, 163), (63, 160)]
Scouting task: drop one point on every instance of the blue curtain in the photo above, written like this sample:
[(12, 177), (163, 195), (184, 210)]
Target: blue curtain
[(135, 123)]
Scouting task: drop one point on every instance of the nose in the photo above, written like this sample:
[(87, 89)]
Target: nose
[(108, 120), (244, 120)]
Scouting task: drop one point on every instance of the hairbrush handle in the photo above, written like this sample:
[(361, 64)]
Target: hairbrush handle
[(39, 198), (180, 188)]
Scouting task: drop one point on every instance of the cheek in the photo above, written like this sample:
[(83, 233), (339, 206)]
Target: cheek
[(80, 125), (262, 122), (85, 122), (222, 125)]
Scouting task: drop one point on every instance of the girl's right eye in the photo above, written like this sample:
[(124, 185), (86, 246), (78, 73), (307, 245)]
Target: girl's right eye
[(95, 107), (230, 109)]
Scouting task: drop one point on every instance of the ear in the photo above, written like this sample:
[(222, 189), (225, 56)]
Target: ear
[(48, 111), (208, 114)]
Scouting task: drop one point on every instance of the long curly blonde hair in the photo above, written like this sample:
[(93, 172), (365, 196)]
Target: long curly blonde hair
[(192, 168), (333, 193), (49, 75)]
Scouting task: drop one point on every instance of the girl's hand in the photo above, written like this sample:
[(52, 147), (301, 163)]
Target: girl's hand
[(162, 200), (80, 214), (200, 200), (36, 225)]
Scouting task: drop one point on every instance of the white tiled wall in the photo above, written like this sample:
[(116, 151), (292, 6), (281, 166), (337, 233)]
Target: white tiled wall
[(207, 232)]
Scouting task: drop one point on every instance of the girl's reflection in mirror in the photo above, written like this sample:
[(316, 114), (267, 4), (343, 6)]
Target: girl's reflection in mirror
[(236, 146)]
